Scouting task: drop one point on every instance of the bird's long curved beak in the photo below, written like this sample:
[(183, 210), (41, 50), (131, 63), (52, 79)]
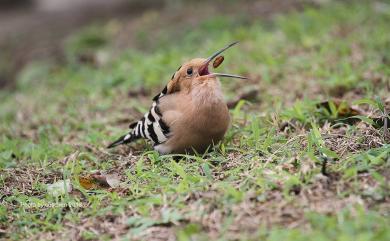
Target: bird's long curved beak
[(228, 75), (203, 70)]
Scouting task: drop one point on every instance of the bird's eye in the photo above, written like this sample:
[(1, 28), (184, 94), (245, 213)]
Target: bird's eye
[(189, 71)]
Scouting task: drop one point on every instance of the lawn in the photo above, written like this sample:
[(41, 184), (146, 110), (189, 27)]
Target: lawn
[(306, 157)]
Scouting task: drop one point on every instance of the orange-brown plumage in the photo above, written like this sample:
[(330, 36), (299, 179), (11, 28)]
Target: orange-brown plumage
[(189, 115), (197, 114)]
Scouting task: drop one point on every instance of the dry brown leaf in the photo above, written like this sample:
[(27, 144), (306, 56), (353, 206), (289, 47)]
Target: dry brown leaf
[(344, 111), (99, 181), (87, 182)]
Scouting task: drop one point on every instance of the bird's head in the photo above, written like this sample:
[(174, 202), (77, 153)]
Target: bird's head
[(196, 71)]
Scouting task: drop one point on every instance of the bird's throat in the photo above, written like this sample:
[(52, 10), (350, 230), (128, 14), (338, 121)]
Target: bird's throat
[(207, 94)]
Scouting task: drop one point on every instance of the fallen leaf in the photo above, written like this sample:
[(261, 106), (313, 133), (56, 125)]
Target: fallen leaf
[(59, 188), (341, 111), (99, 180), (87, 182), (113, 180)]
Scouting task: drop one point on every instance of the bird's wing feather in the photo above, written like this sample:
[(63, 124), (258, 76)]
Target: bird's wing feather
[(168, 89), (161, 94), (152, 125)]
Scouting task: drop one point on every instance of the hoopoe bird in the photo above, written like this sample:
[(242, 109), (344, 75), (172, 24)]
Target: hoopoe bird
[(189, 115)]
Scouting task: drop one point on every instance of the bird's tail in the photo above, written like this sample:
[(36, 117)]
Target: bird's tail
[(123, 140)]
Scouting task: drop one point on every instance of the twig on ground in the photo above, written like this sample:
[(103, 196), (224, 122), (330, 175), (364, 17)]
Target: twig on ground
[(249, 95)]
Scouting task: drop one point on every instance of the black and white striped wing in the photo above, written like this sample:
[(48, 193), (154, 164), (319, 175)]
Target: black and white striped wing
[(151, 126)]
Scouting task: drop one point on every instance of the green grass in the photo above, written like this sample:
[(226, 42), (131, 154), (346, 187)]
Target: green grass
[(260, 183)]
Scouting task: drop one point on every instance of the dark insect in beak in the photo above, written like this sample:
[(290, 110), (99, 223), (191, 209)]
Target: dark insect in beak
[(204, 69), (218, 61)]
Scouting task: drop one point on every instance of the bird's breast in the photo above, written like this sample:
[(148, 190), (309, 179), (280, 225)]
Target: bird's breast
[(196, 120), (209, 111), (207, 94)]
